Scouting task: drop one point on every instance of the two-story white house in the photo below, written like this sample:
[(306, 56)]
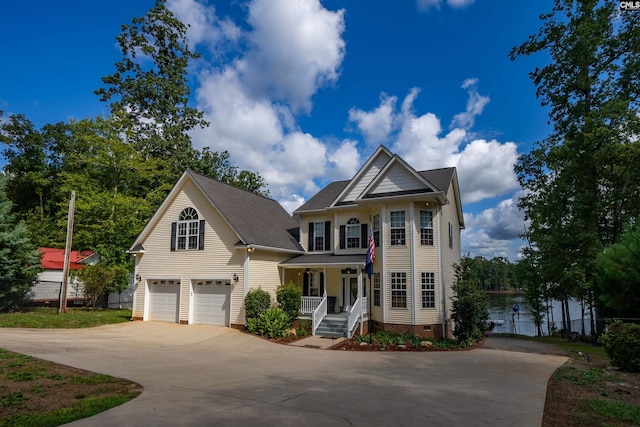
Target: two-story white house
[(209, 243)]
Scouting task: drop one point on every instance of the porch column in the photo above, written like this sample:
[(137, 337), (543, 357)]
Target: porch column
[(324, 285), (360, 296)]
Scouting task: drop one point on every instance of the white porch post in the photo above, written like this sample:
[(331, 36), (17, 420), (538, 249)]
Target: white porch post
[(324, 284), (360, 296)]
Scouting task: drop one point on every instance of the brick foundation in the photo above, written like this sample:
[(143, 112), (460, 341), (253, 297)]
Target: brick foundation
[(136, 318), (425, 331), (184, 322)]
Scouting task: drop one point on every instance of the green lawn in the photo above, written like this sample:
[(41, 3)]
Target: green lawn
[(48, 318)]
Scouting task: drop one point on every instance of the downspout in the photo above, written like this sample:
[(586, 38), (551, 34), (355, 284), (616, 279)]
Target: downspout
[(443, 297), (245, 280), (412, 259)]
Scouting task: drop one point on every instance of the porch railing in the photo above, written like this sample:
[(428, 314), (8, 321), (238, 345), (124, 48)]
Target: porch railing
[(365, 305), (309, 304), (318, 314), (353, 316)]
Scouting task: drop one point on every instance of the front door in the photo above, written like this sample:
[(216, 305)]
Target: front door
[(349, 290)]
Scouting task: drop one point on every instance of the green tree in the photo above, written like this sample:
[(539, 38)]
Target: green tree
[(96, 278), (581, 181), (469, 309), (19, 258), (535, 291), (149, 91), (618, 281)]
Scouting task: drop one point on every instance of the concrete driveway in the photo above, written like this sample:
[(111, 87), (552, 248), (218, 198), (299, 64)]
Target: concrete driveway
[(205, 376)]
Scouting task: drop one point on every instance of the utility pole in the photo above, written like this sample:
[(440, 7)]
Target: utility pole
[(67, 254)]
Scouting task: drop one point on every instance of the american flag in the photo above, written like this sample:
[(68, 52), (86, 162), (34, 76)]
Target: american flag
[(371, 255)]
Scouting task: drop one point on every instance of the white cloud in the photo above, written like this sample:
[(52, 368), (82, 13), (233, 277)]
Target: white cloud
[(293, 203), (345, 160), (296, 48), (377, 125), (426, 5), (204, 27), (485, 168), (475, 106), (460, 3), (495, 231)]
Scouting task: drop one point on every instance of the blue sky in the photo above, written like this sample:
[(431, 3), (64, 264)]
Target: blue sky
[(303, 91)]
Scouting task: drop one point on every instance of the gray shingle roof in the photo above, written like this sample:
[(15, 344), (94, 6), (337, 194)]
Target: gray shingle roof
[(440, 178), (324, 197), (256, 219), (326, 259)]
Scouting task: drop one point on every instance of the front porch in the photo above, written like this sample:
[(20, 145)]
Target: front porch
[(334, 289)]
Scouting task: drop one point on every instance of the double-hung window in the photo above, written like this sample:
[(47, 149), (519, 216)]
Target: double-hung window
[(397, 225), (398, 290), (376, 230), (318, 236), (376, 289), (426, 228), (353, 233), (428, 284)]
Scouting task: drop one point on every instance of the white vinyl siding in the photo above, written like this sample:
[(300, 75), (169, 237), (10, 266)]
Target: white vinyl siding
[(398, 179), (220, 258), (264, 273), (366, 178)]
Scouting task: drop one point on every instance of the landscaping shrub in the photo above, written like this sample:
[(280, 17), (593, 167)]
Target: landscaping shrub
[(273, 323), (303, 328), (256, 303), (621, 342), (289, 299)]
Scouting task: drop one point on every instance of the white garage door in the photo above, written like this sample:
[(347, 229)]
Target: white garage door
[(163, 302), (211, 304)]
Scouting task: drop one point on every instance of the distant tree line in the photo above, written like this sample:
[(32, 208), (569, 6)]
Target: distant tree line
[(122, 165)]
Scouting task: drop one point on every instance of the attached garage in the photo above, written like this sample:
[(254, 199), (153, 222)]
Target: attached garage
[(163, 300), (211, 302)]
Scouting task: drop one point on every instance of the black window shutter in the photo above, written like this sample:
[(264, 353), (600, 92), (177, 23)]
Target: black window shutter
[(321, 284), (343, 236), (201, 235), (311, 232), (364, 239), (174, 228), (327, 235), (305, 283)]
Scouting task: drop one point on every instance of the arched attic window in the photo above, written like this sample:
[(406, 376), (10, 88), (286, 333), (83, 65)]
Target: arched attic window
[(353, 235), (188, 232)]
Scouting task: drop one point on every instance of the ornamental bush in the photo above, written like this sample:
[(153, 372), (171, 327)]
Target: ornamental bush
[(273, 323), (256, 303), (621, 342), (289, 299)]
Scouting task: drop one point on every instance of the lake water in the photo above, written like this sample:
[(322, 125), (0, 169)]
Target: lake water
[(501, 308)]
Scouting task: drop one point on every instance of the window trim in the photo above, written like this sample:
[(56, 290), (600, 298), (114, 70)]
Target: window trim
[(354, 226), (396, 240), (187, 234), (377, 290), (318, 226), (428, 287), (398, 288), (426, 230)]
